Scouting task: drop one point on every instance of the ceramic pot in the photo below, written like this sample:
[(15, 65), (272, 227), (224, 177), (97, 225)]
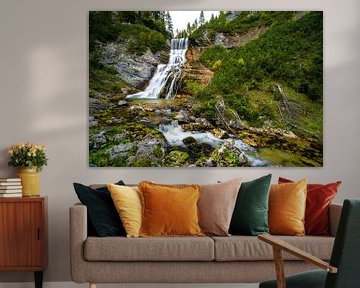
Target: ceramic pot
[(30, 181)]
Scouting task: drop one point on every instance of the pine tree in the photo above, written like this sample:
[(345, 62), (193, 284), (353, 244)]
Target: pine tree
[(195, 25), (188, 28), (201, 19), (162, 16), (169, 24)]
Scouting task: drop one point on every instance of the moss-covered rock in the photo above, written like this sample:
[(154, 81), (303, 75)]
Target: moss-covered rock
[(177, 158), (228, 155)]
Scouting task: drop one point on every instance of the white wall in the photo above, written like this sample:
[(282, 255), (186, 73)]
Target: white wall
[(43, 90)]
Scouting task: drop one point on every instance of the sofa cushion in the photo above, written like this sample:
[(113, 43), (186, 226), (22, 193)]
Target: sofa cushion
[(318, 199), (250, 215), (169, 210), (216, 206), (149, 249), (102, 216), (287, 204), (127, 201), (245, 248)]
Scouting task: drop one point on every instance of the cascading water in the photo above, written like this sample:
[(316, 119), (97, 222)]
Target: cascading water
[(175, 135), (163, 83)]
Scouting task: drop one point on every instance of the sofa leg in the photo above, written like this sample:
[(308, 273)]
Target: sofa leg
[(92, 285)]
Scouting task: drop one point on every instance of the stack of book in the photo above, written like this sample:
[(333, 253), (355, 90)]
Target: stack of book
[(10, 187)]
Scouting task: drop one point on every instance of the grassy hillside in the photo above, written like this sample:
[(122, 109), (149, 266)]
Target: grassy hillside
[(287, 55)]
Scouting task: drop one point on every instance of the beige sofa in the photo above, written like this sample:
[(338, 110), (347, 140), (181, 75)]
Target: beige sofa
[(234, 259)]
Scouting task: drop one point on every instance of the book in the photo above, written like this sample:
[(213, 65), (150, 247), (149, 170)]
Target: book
[(4, 195), (10, 187), (10, 180), (10, 191), (9, 183)]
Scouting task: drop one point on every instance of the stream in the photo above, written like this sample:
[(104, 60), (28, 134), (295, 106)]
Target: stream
[(175, 135), (163, 86)]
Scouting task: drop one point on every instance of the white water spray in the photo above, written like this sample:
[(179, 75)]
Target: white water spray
[(163, 83)]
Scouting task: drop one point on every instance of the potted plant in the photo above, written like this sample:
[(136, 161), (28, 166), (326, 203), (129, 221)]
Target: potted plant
[(30, 158)]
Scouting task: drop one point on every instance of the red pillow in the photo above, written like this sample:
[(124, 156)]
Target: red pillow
[(319, 197)]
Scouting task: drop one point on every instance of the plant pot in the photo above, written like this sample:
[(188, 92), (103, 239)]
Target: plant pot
[(30, 181)]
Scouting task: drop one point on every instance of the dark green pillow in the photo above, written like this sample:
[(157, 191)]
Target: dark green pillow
[(103, 218), (250, 216)]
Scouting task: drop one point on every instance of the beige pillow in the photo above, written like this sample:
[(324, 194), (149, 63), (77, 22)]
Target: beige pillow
[(216, 206)]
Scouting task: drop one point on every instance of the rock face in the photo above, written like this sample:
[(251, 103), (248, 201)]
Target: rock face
[(235, 40), (232, 15), (135, 70), (194, 70)]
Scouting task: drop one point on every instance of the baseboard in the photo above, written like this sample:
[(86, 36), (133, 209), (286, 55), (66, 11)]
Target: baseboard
[(74, 285)]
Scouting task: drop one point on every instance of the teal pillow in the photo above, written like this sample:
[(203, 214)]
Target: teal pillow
[(250, 216)]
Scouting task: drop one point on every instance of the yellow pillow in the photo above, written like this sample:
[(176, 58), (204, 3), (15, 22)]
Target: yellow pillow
[(287, 204), (127, 201), (169, 210)]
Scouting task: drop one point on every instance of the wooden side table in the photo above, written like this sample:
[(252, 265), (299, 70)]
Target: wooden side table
[(23, 235)]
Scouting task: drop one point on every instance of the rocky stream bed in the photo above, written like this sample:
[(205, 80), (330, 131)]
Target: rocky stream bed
[(135, 129)]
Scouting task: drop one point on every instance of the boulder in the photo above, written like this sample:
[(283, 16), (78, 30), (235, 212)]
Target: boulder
[(177, 158), (98, 140), (200, 124), (149, 152), (122, 103), (92, 122), (96, 105), (228, 155), (219, 39), (182, 117), (220, 133), (119, 150)]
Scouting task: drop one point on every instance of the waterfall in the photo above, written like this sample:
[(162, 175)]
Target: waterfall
[(163, 83)]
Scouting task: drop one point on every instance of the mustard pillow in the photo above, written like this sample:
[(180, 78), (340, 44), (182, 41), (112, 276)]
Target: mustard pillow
[(169, 210), (287, 204), (127, 201)]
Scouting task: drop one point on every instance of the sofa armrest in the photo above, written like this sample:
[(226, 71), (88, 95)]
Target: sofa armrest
[(334, 217), (78, 235)]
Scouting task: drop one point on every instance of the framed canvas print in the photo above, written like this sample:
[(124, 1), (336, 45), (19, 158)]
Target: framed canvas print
[(205, 88)]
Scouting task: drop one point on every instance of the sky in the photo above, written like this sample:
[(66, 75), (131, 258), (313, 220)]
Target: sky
[(181, 18)]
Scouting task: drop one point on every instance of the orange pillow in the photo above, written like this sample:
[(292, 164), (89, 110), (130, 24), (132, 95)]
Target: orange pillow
[(287, 204), (169, 210)]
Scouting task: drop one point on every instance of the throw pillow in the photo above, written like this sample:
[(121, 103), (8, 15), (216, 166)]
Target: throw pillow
[(287, 204), (250, 215), (319, 197), (127, 201), (216, 206), (169, 210), (102, 215)]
